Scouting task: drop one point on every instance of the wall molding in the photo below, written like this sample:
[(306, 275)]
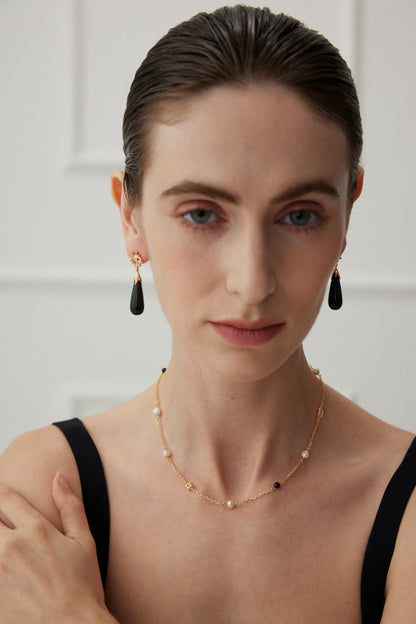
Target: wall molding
[(77, 399), (84, 160), (368, 283), (350, 19), (80, 158)]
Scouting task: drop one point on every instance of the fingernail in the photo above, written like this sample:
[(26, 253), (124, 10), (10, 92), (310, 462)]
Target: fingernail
[(62, 482)]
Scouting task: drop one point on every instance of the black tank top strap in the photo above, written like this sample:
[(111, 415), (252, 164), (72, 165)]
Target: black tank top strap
[(94, 487), (383, 536)]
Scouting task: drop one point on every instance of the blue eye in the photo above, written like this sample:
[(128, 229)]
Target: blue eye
[(200, 216), (300, 218)]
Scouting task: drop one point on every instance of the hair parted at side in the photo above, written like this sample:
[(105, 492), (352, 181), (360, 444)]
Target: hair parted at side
[(238, 45)]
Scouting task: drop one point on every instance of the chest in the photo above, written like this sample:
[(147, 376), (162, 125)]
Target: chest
[(293, 558)]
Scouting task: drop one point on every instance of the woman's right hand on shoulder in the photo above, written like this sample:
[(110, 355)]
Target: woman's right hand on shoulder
[(47, 574)]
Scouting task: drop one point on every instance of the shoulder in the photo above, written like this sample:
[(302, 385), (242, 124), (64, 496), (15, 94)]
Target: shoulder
[(30, 462), (362, 430), (357, 437), (123, 431), (374, 450), (401, 580), (378, 448)]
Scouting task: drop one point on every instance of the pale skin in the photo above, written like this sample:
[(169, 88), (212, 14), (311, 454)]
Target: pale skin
[(270, 179)]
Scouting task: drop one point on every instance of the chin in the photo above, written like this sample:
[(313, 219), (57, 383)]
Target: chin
[(249, 365)]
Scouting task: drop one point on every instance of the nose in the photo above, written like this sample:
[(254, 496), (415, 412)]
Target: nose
[(251, 272)]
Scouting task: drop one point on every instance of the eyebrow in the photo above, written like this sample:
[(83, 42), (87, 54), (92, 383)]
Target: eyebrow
[(314, 186), (188, 187)]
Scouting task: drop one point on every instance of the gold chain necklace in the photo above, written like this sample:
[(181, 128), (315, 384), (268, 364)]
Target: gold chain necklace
[(230, 504)]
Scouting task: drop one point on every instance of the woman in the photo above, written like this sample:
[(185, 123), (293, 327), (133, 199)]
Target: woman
[(241, 488)]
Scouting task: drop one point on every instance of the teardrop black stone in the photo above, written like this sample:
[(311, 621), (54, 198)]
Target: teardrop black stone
[(335, 292), (137, 301)]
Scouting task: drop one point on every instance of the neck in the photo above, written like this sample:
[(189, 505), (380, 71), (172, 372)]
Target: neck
[(231, 437)]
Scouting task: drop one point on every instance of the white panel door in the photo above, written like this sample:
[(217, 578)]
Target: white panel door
[(69, 345)]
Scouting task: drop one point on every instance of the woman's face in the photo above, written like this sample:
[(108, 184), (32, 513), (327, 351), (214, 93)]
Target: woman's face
[(244, 215)]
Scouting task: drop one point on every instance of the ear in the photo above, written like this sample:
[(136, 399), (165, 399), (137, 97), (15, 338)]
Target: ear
[(360, 182), (357, 193), (130, 226)]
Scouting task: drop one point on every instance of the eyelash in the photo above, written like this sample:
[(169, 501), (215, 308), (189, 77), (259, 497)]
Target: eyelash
[(314, 215), (211, 225), (201, 227)]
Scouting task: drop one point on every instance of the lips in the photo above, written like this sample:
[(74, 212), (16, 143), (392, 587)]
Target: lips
[(248, 333)]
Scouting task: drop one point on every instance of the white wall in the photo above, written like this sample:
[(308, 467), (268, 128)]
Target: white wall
[(69, 345)]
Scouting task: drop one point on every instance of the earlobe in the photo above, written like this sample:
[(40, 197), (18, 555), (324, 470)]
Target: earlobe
[(131, 231)]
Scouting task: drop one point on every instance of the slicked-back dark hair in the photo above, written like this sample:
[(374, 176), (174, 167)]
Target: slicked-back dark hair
[(238, 45)]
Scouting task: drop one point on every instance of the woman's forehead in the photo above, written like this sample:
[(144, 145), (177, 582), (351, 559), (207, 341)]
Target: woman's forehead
[(260, 133)]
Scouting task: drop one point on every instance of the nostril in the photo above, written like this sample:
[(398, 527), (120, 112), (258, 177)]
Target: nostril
[(252, 283)]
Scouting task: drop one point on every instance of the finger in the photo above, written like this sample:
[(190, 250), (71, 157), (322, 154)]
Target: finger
[(15, 511), (5, 520), (74, 520)]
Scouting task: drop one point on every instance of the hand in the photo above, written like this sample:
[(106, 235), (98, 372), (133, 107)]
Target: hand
[(47, 576)]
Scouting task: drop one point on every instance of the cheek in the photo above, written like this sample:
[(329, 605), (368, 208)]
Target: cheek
[(307, 277), (183, 279), (179, 261)]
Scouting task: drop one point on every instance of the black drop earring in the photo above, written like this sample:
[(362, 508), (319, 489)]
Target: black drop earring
[(137, 301), (335, 292)]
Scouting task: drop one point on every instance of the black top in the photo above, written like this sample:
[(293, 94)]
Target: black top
[(94, 487), (380, 544), (383, 536)]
